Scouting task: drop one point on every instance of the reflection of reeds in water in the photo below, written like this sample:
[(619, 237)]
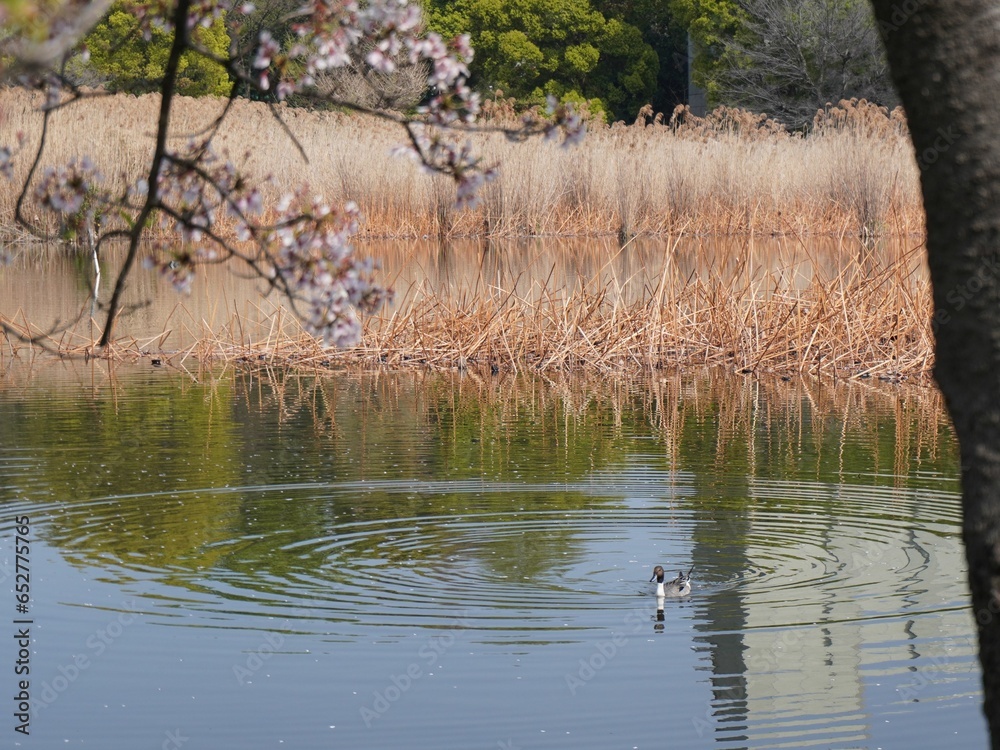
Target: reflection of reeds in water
[(729, 173), (705, 420), (726, 426), (847, 312), (706, 431), (773, 422)]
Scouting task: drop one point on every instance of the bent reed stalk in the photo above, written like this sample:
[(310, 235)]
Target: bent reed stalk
[(868, 316), (729, 173)]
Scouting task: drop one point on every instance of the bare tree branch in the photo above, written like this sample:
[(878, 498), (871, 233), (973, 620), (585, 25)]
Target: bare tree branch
[(167, 90), (792, 57)]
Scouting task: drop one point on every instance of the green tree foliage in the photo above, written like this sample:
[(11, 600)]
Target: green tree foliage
[(712, 24), (665, 35), (566, 48), (119, 54)]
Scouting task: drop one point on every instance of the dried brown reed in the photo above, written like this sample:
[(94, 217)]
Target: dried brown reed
[(870, 318), (867, 315), (730, 173)]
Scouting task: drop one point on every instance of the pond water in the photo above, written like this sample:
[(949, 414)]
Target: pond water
[(270, 560)]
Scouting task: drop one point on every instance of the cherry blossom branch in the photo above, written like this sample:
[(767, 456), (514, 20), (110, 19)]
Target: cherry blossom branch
[(304, 252), (167, 91)]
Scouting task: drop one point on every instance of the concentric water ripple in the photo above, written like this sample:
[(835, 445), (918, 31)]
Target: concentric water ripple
[(476, 570), (778, 548)]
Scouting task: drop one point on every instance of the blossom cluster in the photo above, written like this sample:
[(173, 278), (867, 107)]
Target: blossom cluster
[(327, 33), (7, 154), (314, 262), (47, 82), (197, 184), (178, 267), (561, 120), (193, 189), (306, 251), (73, 193), (565, 120), (459, 160)]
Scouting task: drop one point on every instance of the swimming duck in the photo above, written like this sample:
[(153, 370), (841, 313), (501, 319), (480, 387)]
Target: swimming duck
[(680, 586)]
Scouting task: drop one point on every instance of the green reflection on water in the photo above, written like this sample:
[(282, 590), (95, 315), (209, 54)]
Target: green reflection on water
[(169, 471)]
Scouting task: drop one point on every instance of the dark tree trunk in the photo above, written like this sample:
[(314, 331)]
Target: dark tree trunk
[(945, 61)]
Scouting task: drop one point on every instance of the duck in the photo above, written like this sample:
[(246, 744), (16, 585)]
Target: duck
[(680, 586)]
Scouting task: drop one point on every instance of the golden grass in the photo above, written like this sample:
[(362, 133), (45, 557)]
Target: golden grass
[(731, 173), (869, 318), (866, 314)]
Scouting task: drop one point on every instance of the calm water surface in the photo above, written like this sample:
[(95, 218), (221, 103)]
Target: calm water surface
[(369, 561)]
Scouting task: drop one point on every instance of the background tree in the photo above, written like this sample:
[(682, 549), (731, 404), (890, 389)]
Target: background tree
[(787, 58), (712, 24), (945, 62), (134, 60), (666, 36), (564, 48), (356, 82)]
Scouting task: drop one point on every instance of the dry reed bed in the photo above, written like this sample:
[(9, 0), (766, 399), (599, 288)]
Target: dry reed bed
[(729, 173), (867, 318), (867, 321)]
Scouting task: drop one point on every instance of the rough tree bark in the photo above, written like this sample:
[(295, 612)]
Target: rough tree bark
[(945, 62)]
